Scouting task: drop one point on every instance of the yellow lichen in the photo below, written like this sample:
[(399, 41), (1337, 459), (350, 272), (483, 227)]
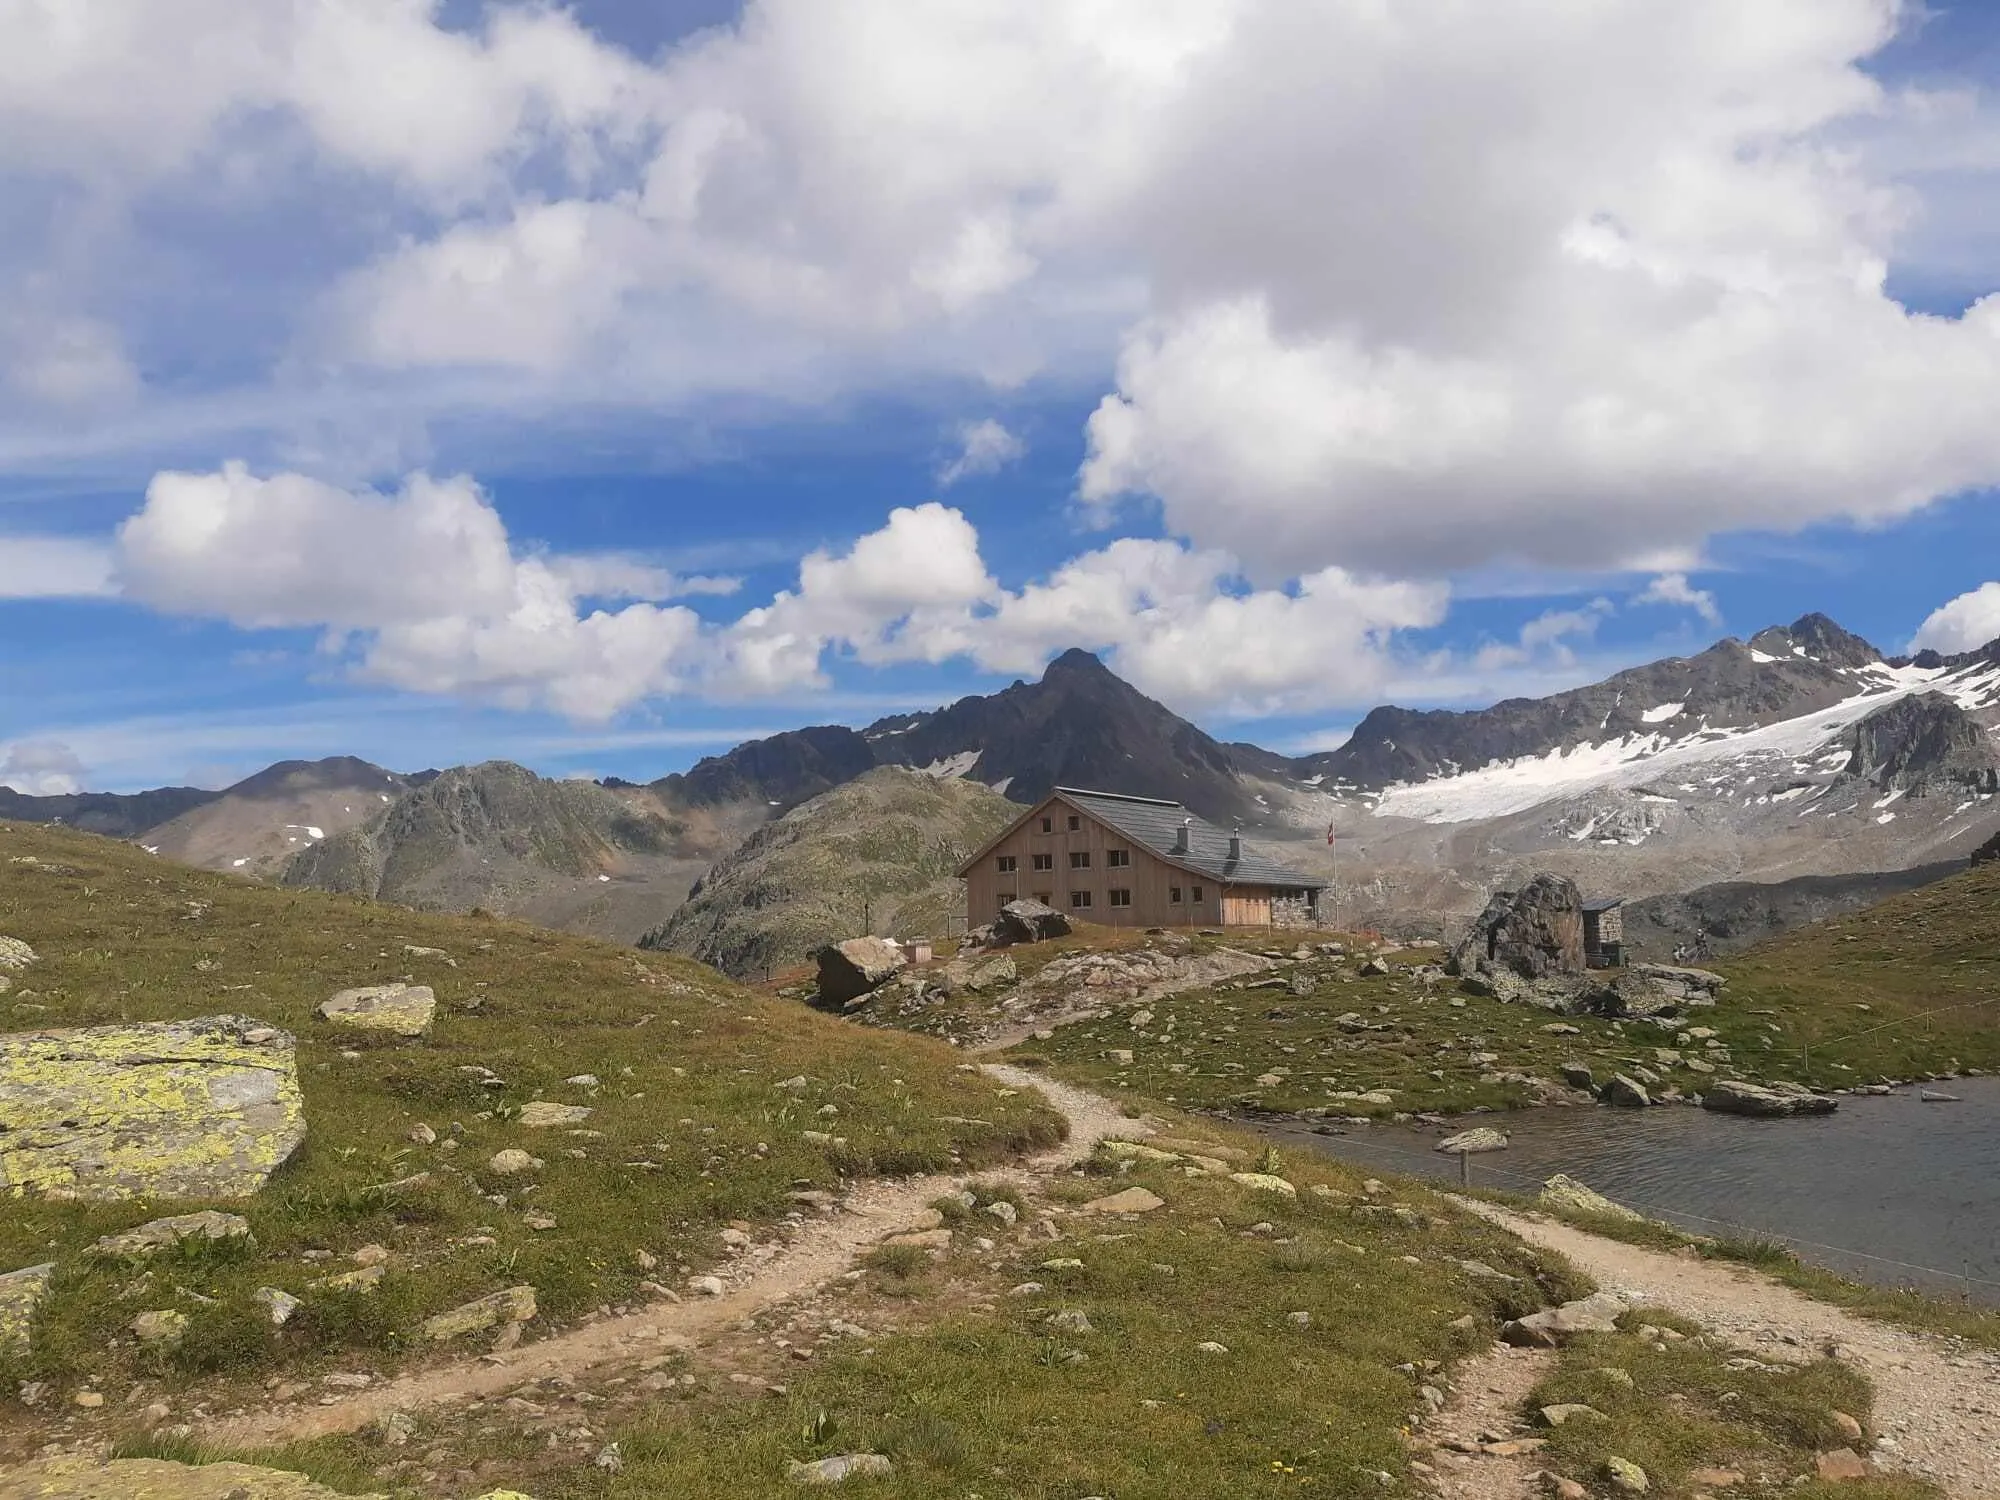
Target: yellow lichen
[(158, 1479)]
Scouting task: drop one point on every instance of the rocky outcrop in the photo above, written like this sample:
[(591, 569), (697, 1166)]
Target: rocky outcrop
[(164, 1234), (1029, 922), (850, 970), (404, 1009), (515, 1305), (1922, 743), (1765, 1101), (1471, 1142), (1565, 1192), (1533, 933), (1988, 851), (206, 1108)]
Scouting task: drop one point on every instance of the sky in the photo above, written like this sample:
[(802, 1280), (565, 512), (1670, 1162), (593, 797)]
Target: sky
[(599, 386)]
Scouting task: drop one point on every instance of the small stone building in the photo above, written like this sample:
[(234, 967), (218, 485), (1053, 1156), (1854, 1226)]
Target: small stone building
[(1604, 932), (1131, 862)]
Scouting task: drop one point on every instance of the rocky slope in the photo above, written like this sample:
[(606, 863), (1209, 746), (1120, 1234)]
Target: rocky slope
[(1730, 916), (117, 815), (256, 826), (566, 854), (879, 854)]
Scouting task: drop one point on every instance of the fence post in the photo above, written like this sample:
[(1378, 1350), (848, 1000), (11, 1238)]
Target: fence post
[(1465, 1169)]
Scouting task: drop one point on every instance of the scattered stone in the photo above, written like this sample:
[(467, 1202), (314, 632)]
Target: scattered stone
[(1842, 1463), (367, 1279), (851, 970), (1210, 1346), (160, 1234), (1563, 1411), (1264, 1182), (1299, 1319), (707, 1286), (1714, 1479), (15, 954), (1472, 1142), (1565, 1192), (1553, 1327), (371, 1255), (404, 1009), (510, 1161), (1070, 1320), (993, 974), (1626, 1092), (161, 1328), (540, 1114), (1625, 1476), (422, 1135), (838, 1470), (1578, 1075), (1004, 1211), (1564, 1489), (1374, 968), (206, 1108), (278, 1305), (21, 1292), (88, 1400), (1848, 1427), (515, 1305), (1134, 1200), (1766, 1101)]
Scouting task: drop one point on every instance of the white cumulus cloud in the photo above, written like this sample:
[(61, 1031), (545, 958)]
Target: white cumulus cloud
[(1673, 589), (984, 447), (1962, 624), (41, 768)]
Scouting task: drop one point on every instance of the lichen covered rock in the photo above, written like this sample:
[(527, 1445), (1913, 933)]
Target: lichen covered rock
[(21, 1292), (205, 1108), (540, 1114), (515, 1305), (405, 1009), (1565, 1192), (160, 1234), (15, 954)]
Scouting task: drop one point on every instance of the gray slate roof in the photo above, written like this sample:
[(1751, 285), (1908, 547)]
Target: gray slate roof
[(1603, 903), (1155, 824)]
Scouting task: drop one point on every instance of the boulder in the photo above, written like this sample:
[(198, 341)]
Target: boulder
[(515, 1305), (161, 1328), (1565, 1192), (21, 1292), (1578, 1075), (163, 1234), (278, 1305), (78, 1478), (1134, 1200), (15, 954), (839, 1469), (1535, 932), (1689, 986), (1765, 1101), (1471, 1142), (992, 974), (1029, 922), (850, 970), (1987, 852), (1555, 1326), (405, 1009), (1625, 1092), (205, 1108)]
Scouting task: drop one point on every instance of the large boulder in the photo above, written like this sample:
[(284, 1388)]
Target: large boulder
[(857, 967), (1565, 1192), (206, 1108), (1687, 986), (80, 1478), (405, 1009), (1773, 1101), (1535, 932), (1029, 922), (1555, 1326)]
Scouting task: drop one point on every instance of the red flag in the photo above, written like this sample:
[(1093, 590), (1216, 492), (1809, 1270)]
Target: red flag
[(1329, 833)]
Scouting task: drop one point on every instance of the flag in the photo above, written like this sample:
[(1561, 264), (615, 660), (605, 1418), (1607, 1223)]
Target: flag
[(1329, 833)]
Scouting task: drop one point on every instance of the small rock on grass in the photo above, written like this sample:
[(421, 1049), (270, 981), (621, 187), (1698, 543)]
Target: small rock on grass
[(1134, 1200), (1626, 1477), (1843, 1463), (278, 1305), (1560, 1413), (159, 1234), (839, 1469), (510, 1161), (514, 1305), (161, 1328)]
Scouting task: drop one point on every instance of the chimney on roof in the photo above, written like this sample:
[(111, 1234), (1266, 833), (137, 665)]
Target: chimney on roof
[(1236, 843), (1181, 837)]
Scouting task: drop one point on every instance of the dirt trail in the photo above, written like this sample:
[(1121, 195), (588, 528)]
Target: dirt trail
[(822, 1250), (1484, 1410), (1938, 1402)]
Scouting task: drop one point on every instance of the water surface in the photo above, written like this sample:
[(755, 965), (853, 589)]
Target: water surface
[(1887, 1190)]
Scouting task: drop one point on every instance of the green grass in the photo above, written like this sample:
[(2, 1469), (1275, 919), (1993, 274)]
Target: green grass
[(690, 1129), (1678, 1406)]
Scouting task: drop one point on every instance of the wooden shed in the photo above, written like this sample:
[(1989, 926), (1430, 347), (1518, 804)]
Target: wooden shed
[(1131, 861), (1604, 932)]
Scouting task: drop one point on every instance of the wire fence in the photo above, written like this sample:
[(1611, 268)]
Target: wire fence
[(1430, 1164)]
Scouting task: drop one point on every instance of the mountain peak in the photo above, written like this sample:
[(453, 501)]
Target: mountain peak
[(1819, 638), (1079, 661)]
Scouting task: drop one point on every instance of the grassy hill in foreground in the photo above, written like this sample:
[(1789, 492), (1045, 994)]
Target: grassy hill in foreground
[(689, 1132), (880, 854)]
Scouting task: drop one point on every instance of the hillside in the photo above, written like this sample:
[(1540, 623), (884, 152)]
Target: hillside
[(879, 854), (256, 826), (565, 854), (454, 1288), (117, 815), (1711, 921)]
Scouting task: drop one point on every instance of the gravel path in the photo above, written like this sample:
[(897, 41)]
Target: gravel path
[(1482, 1416), (1937, 1402), (821, 1250)]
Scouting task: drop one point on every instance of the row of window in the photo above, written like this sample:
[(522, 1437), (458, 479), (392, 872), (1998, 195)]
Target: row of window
[(1117, 859), (1082, 900)]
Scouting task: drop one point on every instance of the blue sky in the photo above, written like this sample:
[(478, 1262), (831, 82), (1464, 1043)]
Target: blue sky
[(599, 388)]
